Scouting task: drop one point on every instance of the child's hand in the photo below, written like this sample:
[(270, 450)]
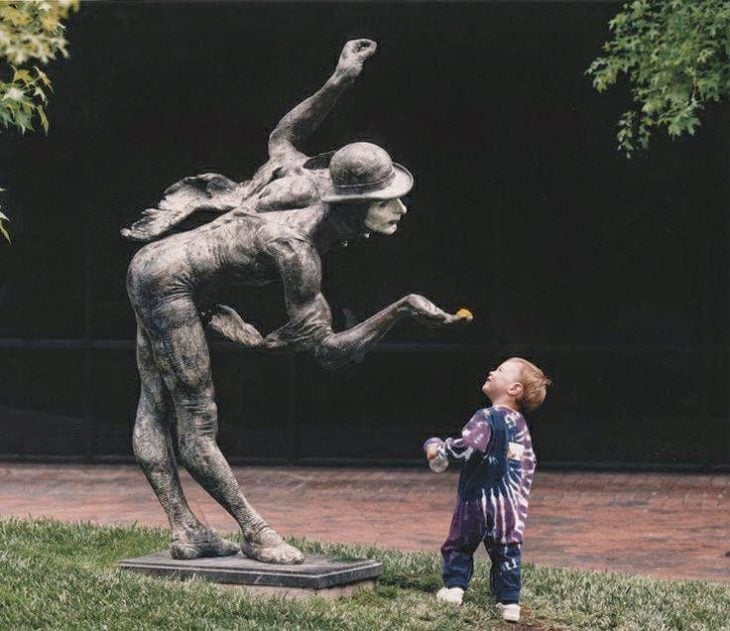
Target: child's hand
[(431, 447), (435, 455)]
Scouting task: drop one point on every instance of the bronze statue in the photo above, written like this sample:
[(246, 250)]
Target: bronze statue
[(273, 228)]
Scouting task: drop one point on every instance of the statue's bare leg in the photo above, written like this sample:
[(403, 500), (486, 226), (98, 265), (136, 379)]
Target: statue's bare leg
[(181, 351), (153, 449)]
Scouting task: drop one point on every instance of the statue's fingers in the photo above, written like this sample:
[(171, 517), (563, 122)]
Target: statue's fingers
[(435, 318), (362, 48), (456, 319), (366, 47), (229, 310)]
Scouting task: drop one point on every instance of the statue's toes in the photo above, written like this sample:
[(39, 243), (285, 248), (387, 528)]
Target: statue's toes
[(184, 551), (210, 546), (289, 554), (281, 553), (225, 548)]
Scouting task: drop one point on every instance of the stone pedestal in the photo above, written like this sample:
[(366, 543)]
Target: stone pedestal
[(317, 576)]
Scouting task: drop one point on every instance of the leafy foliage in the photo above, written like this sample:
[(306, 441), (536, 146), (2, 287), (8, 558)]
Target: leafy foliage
[(30, 31), (676, 56)]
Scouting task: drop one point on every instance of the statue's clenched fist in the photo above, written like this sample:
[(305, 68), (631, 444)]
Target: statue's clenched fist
[(353, 55)]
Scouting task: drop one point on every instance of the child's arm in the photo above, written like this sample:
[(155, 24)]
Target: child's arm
[(474, 438)]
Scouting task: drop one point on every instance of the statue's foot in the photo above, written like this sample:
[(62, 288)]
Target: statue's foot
[(269, 547), (201, 542)]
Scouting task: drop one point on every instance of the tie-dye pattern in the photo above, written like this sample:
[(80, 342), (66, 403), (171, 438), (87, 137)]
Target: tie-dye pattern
[(474, 436), (507, 500), (494, 474)]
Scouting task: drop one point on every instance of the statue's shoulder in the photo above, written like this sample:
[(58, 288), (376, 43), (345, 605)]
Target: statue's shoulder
[(296, 184), (293, 191)]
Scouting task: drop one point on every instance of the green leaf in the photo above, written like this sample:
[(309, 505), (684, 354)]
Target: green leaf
[(14, 94), (12, 15), (44, 120), (43, 77), (22, 75), (40, 94), (5, 233), (22, 121), (12, 107)]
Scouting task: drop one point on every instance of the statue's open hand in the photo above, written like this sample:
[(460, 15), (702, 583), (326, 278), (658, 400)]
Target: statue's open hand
[(227, 323), (353, 55), (425, 312)]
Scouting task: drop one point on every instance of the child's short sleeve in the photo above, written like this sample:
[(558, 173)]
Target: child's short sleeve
[(477, 431), (474, 437)]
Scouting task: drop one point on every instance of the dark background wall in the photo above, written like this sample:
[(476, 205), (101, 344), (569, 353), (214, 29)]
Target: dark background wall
[(611, 274)]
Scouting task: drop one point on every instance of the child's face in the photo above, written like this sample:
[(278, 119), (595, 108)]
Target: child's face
[(503, 380)]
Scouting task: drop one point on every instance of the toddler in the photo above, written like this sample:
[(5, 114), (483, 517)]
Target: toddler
[(496, 475)]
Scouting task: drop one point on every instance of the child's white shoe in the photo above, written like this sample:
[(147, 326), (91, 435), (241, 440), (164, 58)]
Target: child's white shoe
[(453, 595), (510, 613)]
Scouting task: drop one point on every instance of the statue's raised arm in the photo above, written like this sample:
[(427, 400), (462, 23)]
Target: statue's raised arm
[(301, 122), (215, 194)]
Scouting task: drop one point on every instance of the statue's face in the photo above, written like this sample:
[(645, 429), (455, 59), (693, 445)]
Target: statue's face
[(383, 215)]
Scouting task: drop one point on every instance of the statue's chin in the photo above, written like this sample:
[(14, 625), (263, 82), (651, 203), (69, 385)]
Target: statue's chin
[(387, 230)]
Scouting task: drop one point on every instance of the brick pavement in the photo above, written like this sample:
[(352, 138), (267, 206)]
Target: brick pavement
[(662, 525)]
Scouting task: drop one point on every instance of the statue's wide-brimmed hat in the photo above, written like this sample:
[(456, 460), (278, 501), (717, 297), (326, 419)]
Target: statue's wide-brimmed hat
[(364, 171)]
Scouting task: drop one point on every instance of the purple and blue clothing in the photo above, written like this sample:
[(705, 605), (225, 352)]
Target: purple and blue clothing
[(498, 465)]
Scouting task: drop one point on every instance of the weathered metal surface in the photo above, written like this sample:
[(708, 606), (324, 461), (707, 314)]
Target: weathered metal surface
[(273, 228)]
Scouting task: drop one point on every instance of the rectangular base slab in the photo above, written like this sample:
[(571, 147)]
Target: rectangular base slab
[(299, 593), (317, 574)]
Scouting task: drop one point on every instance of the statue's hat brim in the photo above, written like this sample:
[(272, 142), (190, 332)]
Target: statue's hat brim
[(400, 185), (397, 186)]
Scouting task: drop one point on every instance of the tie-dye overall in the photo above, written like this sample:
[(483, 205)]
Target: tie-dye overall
[(498, 465)]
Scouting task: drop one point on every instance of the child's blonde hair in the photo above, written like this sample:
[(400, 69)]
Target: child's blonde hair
[(534, 383)]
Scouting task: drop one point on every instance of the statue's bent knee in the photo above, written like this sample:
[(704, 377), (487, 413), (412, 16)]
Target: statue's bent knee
[(195, 448), (147, 451)]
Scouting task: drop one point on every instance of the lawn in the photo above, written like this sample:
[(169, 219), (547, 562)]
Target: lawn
[(64, 576)]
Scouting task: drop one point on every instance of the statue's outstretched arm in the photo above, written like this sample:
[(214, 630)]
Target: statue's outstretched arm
[(309, 327), (304, 119), (339, 348)]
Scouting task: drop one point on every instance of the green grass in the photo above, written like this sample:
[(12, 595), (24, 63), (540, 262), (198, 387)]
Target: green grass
[(64, 576)]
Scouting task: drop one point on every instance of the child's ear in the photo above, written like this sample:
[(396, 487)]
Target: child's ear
[(516, 390)]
